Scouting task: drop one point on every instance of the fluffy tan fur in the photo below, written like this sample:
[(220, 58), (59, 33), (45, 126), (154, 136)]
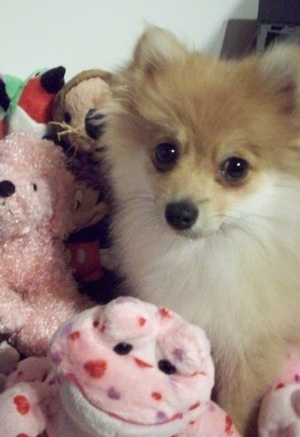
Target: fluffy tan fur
[(236, 272)]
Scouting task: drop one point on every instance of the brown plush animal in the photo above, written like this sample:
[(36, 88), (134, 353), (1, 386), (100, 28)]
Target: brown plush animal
[(78, 120), (74, 111)]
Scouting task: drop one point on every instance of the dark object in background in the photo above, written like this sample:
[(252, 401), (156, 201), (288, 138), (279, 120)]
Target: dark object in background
[(278, 20), (239, 39), (279, 11)]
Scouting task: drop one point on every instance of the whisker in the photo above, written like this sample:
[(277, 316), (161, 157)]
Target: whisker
[(140, 205), (246, 227)]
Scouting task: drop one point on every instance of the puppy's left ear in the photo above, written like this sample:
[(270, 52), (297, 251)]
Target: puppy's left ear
[(280, 68), (156, 49)]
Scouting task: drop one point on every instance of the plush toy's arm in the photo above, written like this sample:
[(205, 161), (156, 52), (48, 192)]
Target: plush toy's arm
[(280, 412), (13, 310), (35, 335), (39, 327), (212, 422), (20, 412), (30, 396), (280, 409), (94, 215)]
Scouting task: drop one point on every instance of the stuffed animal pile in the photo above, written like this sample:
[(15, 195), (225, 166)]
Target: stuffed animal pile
[(120, 370), (28, 106), (37, 291)]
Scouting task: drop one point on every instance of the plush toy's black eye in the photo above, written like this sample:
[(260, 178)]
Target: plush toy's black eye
[(7, 188), (34, 186), (234, 169), (165, 157), (166, 367), (94, 123), (67, 117), (123, 348)]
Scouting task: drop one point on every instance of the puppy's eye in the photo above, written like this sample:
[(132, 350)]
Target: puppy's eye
[(165, 157), (234, 169), (166, 367), (123, 348), (67, 117)]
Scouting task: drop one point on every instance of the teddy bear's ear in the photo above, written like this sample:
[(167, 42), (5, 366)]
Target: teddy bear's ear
[(155, 49), (280, 71)]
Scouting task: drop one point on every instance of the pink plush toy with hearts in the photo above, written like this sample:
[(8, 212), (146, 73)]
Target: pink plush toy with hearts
[(120, 370), (37, 291)]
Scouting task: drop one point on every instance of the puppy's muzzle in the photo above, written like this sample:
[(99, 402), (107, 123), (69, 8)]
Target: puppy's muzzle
[(181, 215)]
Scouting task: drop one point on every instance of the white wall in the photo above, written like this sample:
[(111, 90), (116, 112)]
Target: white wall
[(83, 34)]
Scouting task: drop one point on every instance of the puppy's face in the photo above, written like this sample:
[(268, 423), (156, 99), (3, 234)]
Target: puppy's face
[(205, 143)]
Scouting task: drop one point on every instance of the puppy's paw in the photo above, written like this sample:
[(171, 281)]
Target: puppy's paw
[(280, 413)]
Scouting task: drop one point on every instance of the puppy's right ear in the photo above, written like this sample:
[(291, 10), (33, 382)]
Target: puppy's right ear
[(156, 49), (280, 70)]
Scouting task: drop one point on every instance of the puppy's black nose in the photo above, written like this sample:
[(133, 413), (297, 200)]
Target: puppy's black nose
[(94, 124), (181, 215), (7, 188)]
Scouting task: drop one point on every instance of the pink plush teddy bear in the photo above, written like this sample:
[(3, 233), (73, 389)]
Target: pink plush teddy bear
[(120, 370), (37, 292)]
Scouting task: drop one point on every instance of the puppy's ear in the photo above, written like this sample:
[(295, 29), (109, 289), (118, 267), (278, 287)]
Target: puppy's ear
[(156, 49), (280, 68)]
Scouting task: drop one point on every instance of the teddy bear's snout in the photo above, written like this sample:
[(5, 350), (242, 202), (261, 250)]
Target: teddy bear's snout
[(7, 188), (94, 124)]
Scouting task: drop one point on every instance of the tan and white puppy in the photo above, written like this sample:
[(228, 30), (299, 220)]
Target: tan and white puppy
[(204, 159)]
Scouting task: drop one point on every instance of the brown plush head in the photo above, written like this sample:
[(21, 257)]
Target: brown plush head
[(77, 122)]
